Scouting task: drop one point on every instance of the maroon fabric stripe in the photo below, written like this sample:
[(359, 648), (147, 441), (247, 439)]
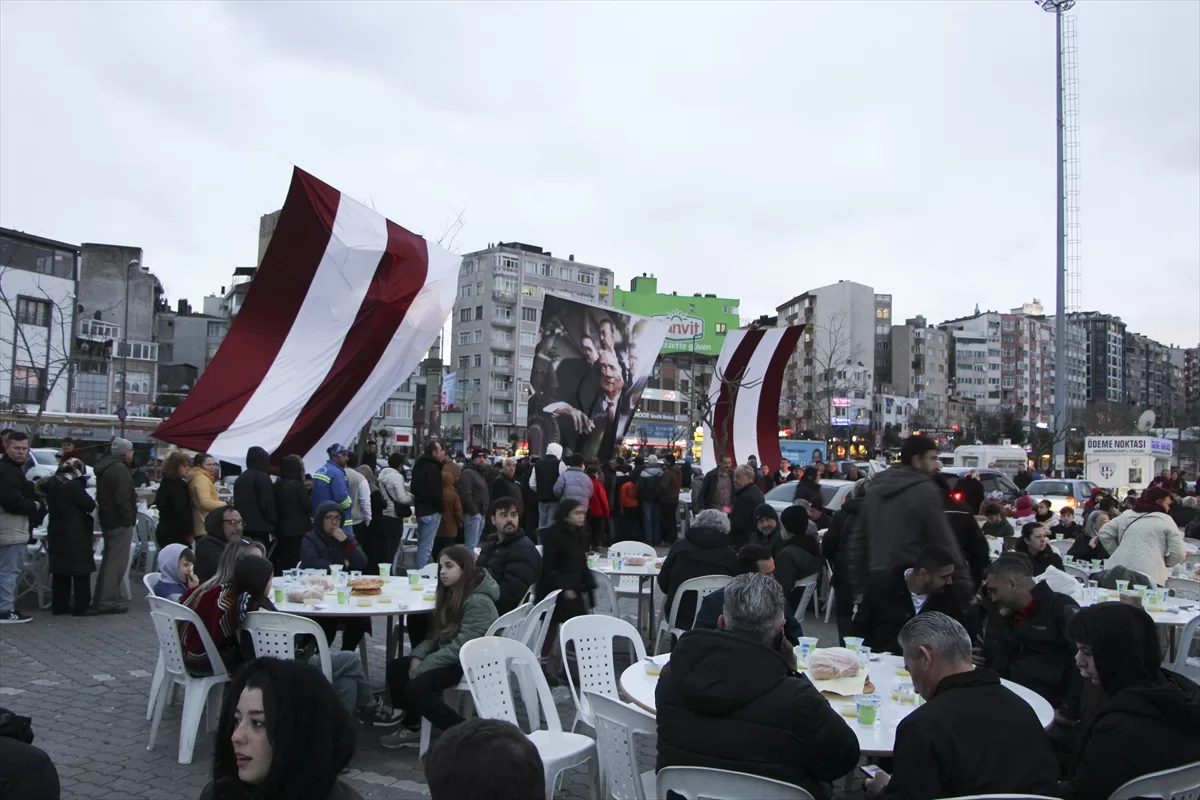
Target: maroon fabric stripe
[(768, 401), (398, 278), (723, 412), (264, 320)]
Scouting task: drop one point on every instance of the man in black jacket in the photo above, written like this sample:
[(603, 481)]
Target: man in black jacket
[(973, 736), (222, 526), (293, 513), (892, 601), (703, 550), (254, 496), (1034, 650), (19, 508), (473, 492), (731, 699), (545, 474), (505, 485), (746, 498), (117, 500), (426, 490), (509, 555)]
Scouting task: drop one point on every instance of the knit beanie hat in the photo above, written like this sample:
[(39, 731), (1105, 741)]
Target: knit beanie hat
[(121, 446)]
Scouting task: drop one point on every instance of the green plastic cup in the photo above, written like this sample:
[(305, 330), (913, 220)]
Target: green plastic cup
[(343, 594), (852, 642), (868, 708), (385, 570), (1122, 586), (414, 579), (279, 595)]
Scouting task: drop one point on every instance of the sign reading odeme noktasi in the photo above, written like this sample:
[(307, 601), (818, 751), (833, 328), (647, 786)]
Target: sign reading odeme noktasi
[(1133, 445)]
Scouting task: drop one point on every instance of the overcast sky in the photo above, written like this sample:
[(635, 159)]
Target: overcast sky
[(751, 150)]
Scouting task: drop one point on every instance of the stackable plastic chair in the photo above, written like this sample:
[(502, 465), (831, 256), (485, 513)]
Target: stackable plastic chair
[(487, 663), (274, 633), (508, 625), (631, 585), (198, 691), (809, 583), (592, 635), (149, 580), (430, 570), (606, 595), (1185, 588), (1188, 667), (1078, 573), (701, 783), (537, 625), (620, 729), (701, 587), (1181, 783), (1062, 546)]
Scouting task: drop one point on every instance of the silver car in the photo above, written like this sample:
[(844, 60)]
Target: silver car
[(833, 493)]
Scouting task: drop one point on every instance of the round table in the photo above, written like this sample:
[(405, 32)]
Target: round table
[(643, 573), (873, 740)]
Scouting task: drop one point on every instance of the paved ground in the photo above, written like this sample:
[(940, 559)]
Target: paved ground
[(85, 682)]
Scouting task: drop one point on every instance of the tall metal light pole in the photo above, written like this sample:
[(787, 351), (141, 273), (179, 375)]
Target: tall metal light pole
[(122, 413), (1061, 401)]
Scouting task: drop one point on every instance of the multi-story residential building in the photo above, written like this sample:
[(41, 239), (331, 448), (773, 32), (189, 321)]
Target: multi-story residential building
[(188, 337), (835, 359), (116, 348), (1105, 355), (697, 326), (1191, 384), (38, 287), (974, 356), (920, 367), (894, 410), (883, 340), (1149, 377), (494, 330), (962, 412), (1076, 362)]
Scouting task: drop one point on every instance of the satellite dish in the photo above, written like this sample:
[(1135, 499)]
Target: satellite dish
[(1146, 420)]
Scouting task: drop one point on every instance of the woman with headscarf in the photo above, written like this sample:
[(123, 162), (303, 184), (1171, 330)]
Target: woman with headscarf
[(222, 608), (1145, 539), (69, 538), (1150, 717), (174, 503), (1088, 545), (175, 574), (282, 734)]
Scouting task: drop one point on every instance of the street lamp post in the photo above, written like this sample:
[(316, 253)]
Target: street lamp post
[(1057, 7), (122, 412)]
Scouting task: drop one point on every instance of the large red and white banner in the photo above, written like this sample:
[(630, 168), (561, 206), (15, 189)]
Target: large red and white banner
[(342, 309), (745, 406)]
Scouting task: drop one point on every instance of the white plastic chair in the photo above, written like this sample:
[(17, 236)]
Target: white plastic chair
[(198, 691), (631, 585), (1181, 783), (486, 663), (1078, 573), (702, 783), (620, 729), (149, 580), (606, 595), (36, 573), (537, 625), (592, 635), (274, 634), (810, 588), (1188, 667), (1185, 588), (408, 546), (506, 625), (143, 540), (700, 587), (429, 571), (1062, 546)]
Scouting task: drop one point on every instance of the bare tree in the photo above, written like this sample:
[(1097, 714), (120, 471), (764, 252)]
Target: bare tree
[(708, 406), (45, 358), (837, 371)]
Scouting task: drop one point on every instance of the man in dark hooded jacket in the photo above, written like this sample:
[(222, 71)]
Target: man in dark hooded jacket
[(836, 547), (731, 699), (293, 512), (1149, 719), (703, 550), (329, 543), (254, 496), (747, 497), (903, 513)]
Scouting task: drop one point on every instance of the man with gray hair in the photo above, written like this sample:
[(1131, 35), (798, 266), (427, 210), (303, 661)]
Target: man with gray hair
[(703, 550), (731, 699), (942, 749)]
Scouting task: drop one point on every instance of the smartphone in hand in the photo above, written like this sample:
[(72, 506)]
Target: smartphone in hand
[(869, 770)]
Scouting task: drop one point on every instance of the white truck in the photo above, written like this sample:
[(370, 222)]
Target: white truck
[(1125, 462), (1003, 458)]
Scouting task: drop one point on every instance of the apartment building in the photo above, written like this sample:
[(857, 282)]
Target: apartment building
[(1105, 355), (920, 367)]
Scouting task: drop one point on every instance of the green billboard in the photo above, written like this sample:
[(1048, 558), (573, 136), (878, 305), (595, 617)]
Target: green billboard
[(694, 323)]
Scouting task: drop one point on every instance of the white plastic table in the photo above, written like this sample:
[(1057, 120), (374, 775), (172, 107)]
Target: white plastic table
[(873, 740), (643, 573), (401, 599)]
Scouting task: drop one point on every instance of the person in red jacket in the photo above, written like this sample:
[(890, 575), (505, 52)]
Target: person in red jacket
[(598, 510)]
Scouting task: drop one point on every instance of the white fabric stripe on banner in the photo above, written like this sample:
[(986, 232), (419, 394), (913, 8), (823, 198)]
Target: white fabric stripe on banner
[(404, 353), (732, 340), (745, 412), (334, 297)]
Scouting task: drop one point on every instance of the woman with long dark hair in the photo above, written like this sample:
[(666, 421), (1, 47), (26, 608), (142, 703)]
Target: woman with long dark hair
[(464, 610), (282, 734), (1149, 719), (564, 566), (223, 608), (174, 503)]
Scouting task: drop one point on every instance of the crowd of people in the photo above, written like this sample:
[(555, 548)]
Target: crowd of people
[(912, 573)]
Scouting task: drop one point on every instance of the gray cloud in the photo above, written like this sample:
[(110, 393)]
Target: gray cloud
[(751, 149)]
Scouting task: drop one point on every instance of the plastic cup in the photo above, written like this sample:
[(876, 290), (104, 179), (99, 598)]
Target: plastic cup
[(867, 706), (279, 595), (1122, 586), (592, 561), (806, 645), (335, 568), (908, 695), (1140, 591), (616, 564), (343, 594), (1097, 564), (414, 579), (385, 570), (864, 654), (852, 642)]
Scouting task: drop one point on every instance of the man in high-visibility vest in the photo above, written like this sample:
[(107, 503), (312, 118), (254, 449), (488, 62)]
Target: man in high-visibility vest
[(329, 481)]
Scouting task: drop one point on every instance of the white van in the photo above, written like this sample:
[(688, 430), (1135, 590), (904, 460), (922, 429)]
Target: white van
[(1000, 457)]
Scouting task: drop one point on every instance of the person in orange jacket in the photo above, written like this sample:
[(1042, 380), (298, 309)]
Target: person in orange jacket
[(630, 510), (598, 511)]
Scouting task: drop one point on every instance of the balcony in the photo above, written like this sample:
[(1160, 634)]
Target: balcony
[(137, 351), (93, 330), (501, 296), (504, 322)]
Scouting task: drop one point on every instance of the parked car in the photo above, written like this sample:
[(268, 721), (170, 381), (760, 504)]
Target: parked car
[(833, 492), (993, 481), (46, 459), (1061, 492)]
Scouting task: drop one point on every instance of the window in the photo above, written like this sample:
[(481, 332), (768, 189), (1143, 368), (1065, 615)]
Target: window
[(216, 330), (476, 383), (140, 351), (478, 312), (722, 328), (474, 409), (502, 384), (37, 258), (464, 337), (525, 362), (465, 290), (529, 340), (502, 338), (464, 362), (531, 268), (529, 291), (27, 384), (33, 312), (883, 313), (545, 270), (468, 266), (529, 314), (503, 312), (398, 409), (566, 273), (503, 407), (138, 383), (464, 315), (91, 390), (478, 337), (508, 264), (477, 360), (587, 277), (507, 286), (501, 360), (604, 282)]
